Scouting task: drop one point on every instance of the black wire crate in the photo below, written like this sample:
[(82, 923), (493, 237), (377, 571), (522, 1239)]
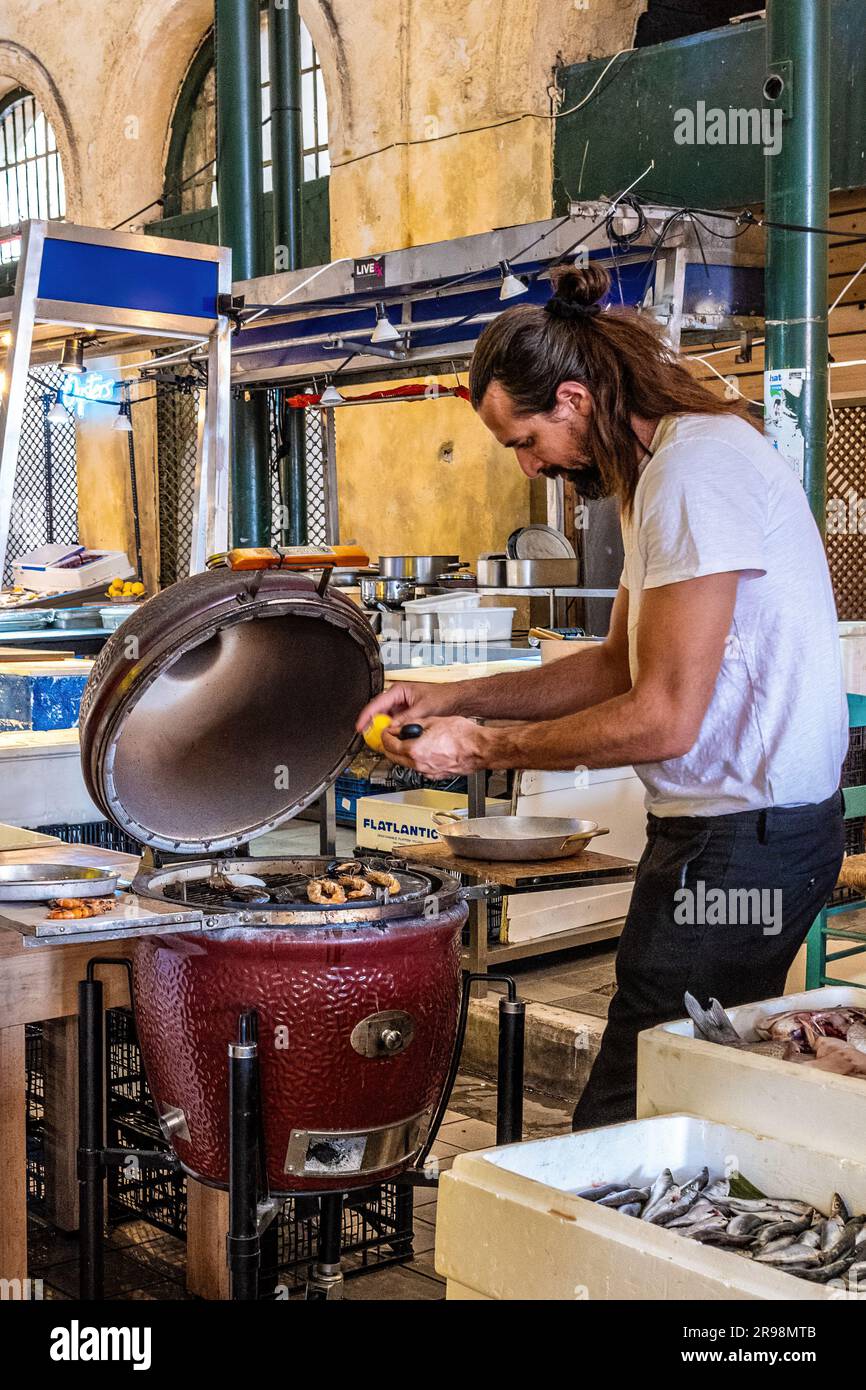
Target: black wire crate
[(854, 766), (147, 1191), (101, 834), (34, 1091)]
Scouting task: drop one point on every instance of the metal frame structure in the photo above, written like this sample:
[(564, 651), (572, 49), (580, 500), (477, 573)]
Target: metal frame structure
[(140, 274), (443, 295)]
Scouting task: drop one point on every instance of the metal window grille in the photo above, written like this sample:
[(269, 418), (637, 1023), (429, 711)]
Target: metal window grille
[(45, 499), (846, 512), (177, 438), (200, 143), (31, 175), (320, 530)]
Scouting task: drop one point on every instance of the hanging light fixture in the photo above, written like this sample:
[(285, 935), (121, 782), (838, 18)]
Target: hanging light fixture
[(72, 358), (384, 332), (123, 419), (331, 396), (511, 286), (58, 414)]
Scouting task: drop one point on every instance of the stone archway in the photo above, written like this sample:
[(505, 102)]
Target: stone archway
[(21, 68)]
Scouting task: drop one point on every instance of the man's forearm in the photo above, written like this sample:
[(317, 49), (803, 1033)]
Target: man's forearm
[(627, 729), (564, 687)]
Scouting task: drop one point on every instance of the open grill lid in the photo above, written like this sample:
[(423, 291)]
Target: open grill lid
[(224, 706)]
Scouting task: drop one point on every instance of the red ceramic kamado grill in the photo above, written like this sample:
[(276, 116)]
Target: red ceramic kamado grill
[(214, 715)]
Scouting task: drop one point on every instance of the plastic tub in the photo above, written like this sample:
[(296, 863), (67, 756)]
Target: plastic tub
[(479, 624)]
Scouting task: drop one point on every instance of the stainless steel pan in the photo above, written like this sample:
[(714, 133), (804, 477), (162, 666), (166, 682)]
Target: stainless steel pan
[(516, 839), (422, 569), (37, 883)]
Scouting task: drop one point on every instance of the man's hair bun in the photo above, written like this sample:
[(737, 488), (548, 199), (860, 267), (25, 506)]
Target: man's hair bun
[(578, 290)]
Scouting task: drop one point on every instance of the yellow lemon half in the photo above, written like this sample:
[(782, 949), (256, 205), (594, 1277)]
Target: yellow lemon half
[(373, 735)]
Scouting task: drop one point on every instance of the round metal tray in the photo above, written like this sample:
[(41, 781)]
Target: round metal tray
[(38, 883)]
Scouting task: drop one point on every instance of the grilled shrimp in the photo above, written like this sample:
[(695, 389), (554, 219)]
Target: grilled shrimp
[(325, 890), (355, 887), (383, 880)]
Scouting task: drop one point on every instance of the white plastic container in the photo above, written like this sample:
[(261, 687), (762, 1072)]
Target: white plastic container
[(443, 603), (48, 571), (677, 1071), (510, 1227), (477, 625), (852, 640)]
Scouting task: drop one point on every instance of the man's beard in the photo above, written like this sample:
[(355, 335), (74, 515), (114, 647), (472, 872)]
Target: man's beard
[(587, 479)]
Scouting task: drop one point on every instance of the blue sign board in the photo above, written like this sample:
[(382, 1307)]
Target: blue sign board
[(83, 272)]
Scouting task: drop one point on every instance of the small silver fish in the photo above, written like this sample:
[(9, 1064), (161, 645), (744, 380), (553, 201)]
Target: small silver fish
[(627, 1197), (677, 1201), (776, 1229), (798, 1254), (663, 1183)]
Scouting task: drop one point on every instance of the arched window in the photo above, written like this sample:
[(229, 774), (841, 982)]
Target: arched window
[(190, 185), (31, 175)]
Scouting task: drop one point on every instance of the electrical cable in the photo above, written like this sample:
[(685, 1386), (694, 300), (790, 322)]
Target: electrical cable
[(493, 125)]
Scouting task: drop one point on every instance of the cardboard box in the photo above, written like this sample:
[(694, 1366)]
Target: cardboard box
[(406, 818)]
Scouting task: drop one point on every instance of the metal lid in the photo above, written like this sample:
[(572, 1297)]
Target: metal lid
[(224, 706)]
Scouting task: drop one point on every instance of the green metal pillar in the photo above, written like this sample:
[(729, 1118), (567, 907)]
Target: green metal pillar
[(241, 226), (287, 154), (798, 191)]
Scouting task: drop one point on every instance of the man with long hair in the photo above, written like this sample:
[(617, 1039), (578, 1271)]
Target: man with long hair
[(720, 678)]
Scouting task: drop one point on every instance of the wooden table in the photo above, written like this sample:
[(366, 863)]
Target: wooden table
[(576, 871), (39, 984)]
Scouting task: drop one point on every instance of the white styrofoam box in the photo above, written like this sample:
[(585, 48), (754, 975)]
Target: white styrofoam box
[(530, 916), (510, 1227), (41, 782), (677, 1071), (401, 818), (99, 566), (612, 796)]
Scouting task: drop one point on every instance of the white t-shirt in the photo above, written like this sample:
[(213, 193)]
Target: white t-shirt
[(716, 497)]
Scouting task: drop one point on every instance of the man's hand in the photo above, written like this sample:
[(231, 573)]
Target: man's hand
[(408, 703), (448, 747)]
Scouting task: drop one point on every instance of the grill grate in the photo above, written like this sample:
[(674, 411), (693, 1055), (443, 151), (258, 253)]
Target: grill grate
[(45, 499)]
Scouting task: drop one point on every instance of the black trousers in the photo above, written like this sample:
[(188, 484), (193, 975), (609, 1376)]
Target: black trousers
[(721, 906)]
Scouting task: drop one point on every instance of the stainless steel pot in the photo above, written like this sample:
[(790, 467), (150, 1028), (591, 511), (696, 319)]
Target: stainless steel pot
[(491, 571), (388, 590), (541, 574), (423, 569)]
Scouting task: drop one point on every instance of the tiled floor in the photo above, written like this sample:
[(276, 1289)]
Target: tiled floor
[(143, 1264), (583, 979)]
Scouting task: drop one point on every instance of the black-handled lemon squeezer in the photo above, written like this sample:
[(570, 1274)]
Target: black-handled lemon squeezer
[(411, 731)]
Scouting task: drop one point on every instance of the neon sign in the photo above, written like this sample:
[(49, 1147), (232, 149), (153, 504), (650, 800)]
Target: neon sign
[(79, 391)]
